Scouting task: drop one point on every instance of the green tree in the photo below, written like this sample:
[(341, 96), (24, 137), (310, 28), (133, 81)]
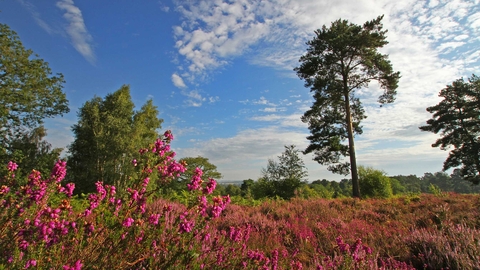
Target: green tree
[(287, 174), (246, 187), (28, 91), (31, 151), (397, 187), (411, 183), (107, 138), (232, 190), (339, 60), (374, 183), (457, 119)]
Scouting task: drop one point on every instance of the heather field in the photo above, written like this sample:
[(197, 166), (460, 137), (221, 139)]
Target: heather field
[(43, 226)]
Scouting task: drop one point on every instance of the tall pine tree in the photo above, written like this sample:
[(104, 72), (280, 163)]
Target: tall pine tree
[(339, 60)]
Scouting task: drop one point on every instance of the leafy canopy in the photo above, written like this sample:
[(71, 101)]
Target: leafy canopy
[(457, 119), (285, 176), (28, 91), (339, 60), (107, 138), (28, 94)]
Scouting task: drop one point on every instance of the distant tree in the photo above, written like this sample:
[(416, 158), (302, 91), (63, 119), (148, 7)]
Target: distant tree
[(287, 174), (232, 190), (462, 186), (374, 183), (440, 179), (246, 187), (397, 187), (28, 92), (457, 119), (108, 135), (31, 151), (411, 183), (322, 191), (339, 60)]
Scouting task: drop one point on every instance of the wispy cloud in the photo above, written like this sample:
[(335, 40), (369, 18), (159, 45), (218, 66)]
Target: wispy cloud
[(76, 29), (178, 81), (194, 98), (36, 16)]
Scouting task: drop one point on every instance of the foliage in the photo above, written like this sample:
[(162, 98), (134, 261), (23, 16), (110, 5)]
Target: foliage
[(457, 119), (30, 151), (285, 176), (339, 60), (107, 136), (28, 94), (374, 183)]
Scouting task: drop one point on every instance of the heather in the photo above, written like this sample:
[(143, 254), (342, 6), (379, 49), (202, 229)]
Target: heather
[(45, 226)]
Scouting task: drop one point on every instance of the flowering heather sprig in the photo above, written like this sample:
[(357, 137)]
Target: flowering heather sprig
[(35, 188), (154, 218), (4, 190), (185, 225), (168, 136), (59, 171), (67, 190), (219, 204), (77, 266), (102, 193), (211, 185), (30, 263), (128, 222), (12, 166), (196, 182)]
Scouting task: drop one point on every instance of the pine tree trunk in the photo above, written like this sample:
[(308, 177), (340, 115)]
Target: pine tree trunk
[(351, 148)]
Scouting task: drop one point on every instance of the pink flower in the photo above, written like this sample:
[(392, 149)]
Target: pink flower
[(101, 190), (4, 190), (185, 225), (211, 185), (59, 171), (12, 166), (153, 219), (31, 263), (78, 266), (196, 181), (68, 190), (168, 135), (128, 222)]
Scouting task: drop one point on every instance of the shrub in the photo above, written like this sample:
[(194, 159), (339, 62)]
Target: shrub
[(374, 183)]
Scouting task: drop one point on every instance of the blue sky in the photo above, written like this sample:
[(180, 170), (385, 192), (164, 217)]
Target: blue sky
[(221, 73)]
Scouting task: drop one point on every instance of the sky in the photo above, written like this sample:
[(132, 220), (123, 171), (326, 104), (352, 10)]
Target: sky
[(221, 72)]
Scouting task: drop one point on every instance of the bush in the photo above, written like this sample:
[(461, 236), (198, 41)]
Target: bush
[(374, 183)]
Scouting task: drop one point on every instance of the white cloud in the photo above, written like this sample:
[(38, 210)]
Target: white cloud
[(81, 39), (213, 99), (178, 81), (271, 109)]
